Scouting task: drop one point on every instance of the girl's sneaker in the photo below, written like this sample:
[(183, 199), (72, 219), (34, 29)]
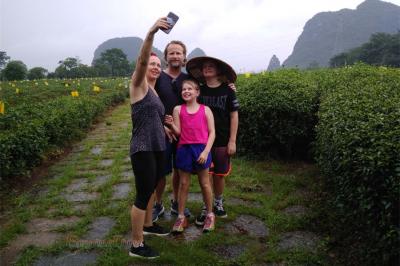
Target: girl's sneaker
[(180, 225), (200, 219), (209, 224)]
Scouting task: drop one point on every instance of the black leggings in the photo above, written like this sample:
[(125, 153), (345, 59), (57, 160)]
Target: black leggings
[(148, 167)]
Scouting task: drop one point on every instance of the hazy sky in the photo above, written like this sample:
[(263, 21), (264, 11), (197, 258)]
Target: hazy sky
[(244, 33)]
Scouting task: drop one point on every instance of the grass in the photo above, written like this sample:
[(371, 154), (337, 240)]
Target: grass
[(268, 187)]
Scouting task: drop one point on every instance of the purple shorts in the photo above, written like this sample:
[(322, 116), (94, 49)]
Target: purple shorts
[(187, 155)]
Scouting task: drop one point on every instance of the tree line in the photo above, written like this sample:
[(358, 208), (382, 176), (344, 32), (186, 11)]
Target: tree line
[(111, 63), (382, 49)]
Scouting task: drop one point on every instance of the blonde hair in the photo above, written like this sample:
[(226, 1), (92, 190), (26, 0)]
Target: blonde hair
[(192, 82)]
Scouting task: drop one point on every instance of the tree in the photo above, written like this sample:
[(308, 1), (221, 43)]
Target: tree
[(70, 63), (15, 70), (102, 70), (51, 75), (37, 73), (132, 67), (339, 60), (64, 70), (382, 49), (71, 67), (115, 61), (3, 59)]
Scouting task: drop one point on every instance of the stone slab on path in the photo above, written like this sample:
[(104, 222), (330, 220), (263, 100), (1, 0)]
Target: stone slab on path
[(99, 229), (296, 211), (247, 224), (9, 254), (298, 240), (121, 191), (127, 175), (100, 180), (229, 252), (96, 150), (80, 196), (107, 162), (77, 185), (46, 225), (67, 259), (190, 234), (81, 208)]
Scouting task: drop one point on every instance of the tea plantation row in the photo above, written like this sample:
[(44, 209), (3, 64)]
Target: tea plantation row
[(41, 116), (348, 120)]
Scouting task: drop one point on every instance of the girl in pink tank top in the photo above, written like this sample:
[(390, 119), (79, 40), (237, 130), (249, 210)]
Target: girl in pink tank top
[(194, 124)]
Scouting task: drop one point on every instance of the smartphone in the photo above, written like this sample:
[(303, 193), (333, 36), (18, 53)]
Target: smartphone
[(171, 19)]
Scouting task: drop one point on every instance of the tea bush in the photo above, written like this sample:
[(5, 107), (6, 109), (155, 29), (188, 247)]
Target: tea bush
[(358, 151), (349, 120), (41, 117), (277, 114)]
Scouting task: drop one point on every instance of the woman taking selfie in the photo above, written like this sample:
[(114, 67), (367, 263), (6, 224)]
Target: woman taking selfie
[(147, 143)]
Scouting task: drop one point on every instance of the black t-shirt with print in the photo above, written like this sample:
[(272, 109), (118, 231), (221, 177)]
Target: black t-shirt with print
[(222, 101)]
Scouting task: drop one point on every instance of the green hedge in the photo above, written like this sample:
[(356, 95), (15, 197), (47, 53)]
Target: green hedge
[(358, 150), (349, 120), (30, 130), (277, 114)]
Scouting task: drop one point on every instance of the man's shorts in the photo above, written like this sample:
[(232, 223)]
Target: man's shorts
[(170, 156), (221, 161), (187, 155)]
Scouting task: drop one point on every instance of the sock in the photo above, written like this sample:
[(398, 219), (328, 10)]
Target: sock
[(218, 199), (140, 245)]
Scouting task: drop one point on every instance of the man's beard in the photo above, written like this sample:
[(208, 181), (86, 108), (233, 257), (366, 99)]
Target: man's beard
[(175, 64)]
